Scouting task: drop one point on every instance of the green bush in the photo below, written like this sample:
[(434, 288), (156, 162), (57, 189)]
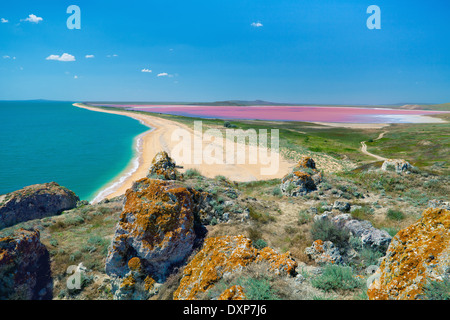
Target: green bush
[(276, 191), (259, 289), (395, 215), (437, 290), (190, 173), (326, 230), (303, 217), (370, 256), (336, 277)]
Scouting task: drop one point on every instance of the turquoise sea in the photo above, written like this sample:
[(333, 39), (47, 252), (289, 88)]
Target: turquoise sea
[(43, 141)]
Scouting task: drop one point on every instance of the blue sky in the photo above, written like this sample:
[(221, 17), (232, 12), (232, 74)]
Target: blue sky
[(317, 51)]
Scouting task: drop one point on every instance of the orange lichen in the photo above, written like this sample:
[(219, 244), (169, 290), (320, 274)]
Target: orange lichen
[(236, 292), (149, 282), (128, 282), (225, 254), (135, 264), (306, 162), (413, 257), (157, 223)]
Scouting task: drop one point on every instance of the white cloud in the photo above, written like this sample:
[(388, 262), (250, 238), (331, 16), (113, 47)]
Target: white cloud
[(33, 18), (75, 77), (64, 57), (89, 56), (256, 24), (111, 55), (146, 70), (6, 57), (3, 20), (163, 74)]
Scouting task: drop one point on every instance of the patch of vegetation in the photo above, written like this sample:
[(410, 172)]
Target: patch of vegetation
[(192, 173), (395, 214), (437, 289), (326, 230), (260, 244), (260, 217), (335, 277)]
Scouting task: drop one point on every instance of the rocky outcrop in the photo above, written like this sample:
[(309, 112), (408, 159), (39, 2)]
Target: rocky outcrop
[(368, 234), (439, 204), (418, 253), (164, 167), (24, 267), (156, 226), (35, 202), (397, 165), (222, 256), (324, 252), (303, 178), (341, 206)]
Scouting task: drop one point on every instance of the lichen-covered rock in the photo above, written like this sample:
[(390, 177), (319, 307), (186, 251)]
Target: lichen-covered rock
[(156, 226), (341, 206), (164, 167), (35, 202), (324, 252), (24, 267), (418, 253), (439, 204), (397, 165), (303, 178), (136, 284), (225, 255), (368, 234), (236, 292)]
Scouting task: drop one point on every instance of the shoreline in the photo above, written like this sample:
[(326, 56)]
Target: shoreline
[(159, 138)]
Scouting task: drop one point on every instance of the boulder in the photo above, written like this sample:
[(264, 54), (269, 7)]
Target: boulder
[(302, 180), (35, 202), (438, 204), (156, 225), (164, 167), (24, 267), (342, 206), (397, 165), (324, 252), (222, 256), (418, 253), (368, 234)]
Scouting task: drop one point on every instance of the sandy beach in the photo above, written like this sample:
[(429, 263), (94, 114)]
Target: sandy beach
[(159, 138)]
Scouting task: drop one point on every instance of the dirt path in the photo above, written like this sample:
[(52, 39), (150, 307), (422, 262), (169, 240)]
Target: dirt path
[(364, 147)]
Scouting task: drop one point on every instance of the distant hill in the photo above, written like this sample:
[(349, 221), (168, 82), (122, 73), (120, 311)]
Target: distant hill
[(241, 103)]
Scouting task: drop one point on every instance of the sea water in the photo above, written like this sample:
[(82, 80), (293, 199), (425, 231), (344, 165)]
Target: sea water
[(43, 141)]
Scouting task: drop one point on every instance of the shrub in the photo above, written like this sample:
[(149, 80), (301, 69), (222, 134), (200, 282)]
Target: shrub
[(437, 290), (276, 191), (362, 213), (259, 244), (336, 277), (395, 215), (326, 230), (190, 173), (370, 256), (259, 289), (303, 217)]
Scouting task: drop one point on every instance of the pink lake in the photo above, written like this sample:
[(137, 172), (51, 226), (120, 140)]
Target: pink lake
[(291, 113)]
